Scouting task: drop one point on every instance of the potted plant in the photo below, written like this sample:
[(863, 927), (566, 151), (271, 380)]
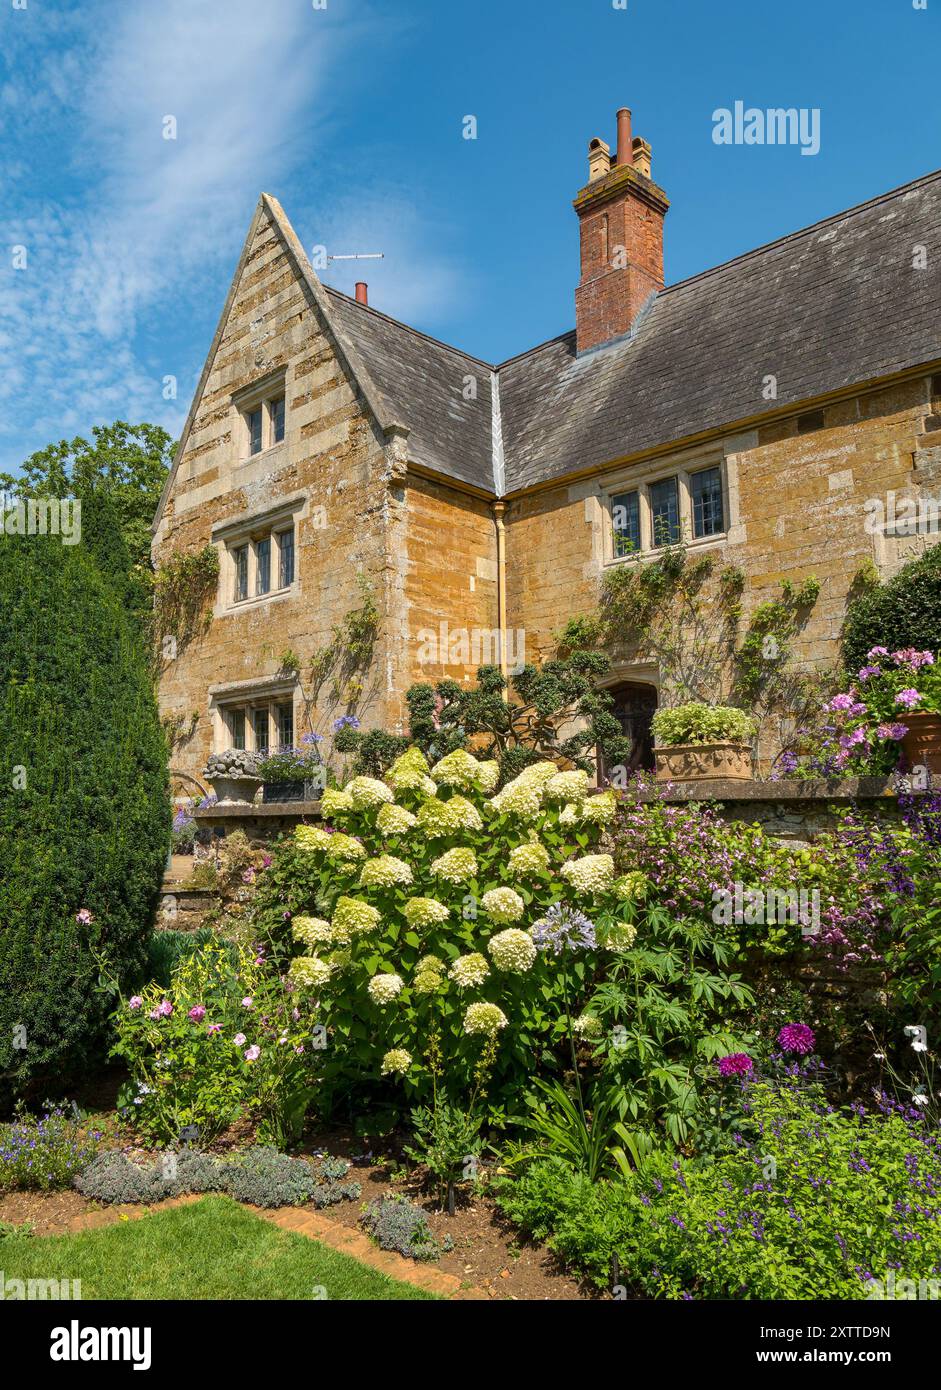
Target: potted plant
[(294, 774), (234, 776), (902, 690), (696, 742)]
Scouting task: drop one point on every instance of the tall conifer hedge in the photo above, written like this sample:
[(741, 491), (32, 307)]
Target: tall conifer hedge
[(84, 819)]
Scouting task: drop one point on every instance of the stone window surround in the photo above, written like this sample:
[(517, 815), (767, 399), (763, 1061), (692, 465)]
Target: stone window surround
[(639, 478), (265, 692), (262, 393), (248, 528)]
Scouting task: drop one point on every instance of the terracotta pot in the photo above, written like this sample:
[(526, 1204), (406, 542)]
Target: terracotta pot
[(922, 743), (698, 762)]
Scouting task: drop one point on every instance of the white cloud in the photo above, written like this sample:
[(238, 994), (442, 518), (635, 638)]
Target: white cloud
[(125, 229)]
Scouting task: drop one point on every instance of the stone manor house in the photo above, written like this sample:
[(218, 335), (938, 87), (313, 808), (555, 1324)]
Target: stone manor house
[(751, 410)]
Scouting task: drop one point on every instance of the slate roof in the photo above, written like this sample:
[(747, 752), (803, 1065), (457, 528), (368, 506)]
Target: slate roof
[(834, 305)]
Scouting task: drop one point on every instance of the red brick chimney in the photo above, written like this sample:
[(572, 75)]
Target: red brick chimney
[(620, 212)]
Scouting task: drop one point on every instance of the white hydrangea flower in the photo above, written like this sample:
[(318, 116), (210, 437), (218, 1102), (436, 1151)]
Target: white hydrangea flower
[(512, 950), (409, 772), (309, 972), (458, 769), (630, 887), (312, 837), (384, 871), (591, 874), (367, 792), (570, 815), (469, 971), (618, 936), (518, 798), (394, 820), (528, 859), (310, 931), (425, 912), (438, 818), (538, 774), (352, 917), (503, 905), (600, 809), (344, 847), (455, 865), (382, 989), (488, 774), (484, 1018), (567, 786), (334, 802), (396, 1062)]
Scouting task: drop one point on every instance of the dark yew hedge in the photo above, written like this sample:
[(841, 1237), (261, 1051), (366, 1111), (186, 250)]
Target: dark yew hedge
[(84, 810), (905, 612)]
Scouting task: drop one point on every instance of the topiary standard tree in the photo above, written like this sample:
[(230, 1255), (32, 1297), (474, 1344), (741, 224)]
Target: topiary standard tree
[(84, 814), (905, 612)]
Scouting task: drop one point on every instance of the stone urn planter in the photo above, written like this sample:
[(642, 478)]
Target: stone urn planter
[(233, 777), (922, 743), (697, 762)]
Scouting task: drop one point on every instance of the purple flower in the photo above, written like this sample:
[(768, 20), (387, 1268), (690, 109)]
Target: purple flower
[(308, 739), (867, 671), (893, 731), (345, 721), (135, 1001), (796, 1037), (564, 928), (736, 1064), (909, 656), (165, 1008), (197, 1013), (253, 1052), (213, 1028), (908, 698), (876, 651)]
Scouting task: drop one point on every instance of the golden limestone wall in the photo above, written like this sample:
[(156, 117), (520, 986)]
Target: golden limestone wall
[(331, 457), (797, 505), (448, 613)]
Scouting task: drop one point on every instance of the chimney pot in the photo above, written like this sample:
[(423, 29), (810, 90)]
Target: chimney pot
[(362, 292), (642, 156), (625, 151), (599, 159)]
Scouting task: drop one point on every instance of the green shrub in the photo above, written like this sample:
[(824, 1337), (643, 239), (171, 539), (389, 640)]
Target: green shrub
[(395, 1223), (219, 1045), (260, 1175), (425, 972), (904, 612), (84, 817), (697, 723), (818, 1204), (44, 1153)]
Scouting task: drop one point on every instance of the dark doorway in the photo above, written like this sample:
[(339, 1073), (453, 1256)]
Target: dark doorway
[(634, 708)]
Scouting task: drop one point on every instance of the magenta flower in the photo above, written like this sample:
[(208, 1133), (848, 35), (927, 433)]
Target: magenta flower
[(893, 731), (84, 916), (796, 1037), (876, 651), (248, 1002), (867, 671), (135, 1001), (908, 698), (213, 1028), (253, 1052), (266, 861), (165, 1008), (910, 656), (736, 1064), (239, 1039), (197, 1013)]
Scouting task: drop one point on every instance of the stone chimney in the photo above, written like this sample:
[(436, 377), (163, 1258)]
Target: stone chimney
[(621, 213)]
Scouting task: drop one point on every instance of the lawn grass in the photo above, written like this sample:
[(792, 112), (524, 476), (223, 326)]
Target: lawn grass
[(212, 1249)]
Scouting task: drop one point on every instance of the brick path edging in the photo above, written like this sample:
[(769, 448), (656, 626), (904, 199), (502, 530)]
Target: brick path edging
[(305, 1221)]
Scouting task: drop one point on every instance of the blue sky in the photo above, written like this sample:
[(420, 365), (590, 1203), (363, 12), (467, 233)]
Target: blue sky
[(353, 115)]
